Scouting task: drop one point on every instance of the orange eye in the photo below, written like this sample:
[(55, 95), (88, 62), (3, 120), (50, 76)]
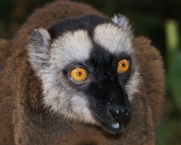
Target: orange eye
[(78, 75), (123, 66)]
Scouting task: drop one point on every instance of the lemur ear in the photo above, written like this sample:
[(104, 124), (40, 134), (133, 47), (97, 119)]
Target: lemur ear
[(121, 21), (39, 49)]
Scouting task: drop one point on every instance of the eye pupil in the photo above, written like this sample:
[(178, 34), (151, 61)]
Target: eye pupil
[(79, 73)]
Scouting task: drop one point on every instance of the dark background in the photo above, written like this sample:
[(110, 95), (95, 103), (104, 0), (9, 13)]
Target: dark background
[(159, 20)]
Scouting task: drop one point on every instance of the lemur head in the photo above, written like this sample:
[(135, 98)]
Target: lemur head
[(87, 68)]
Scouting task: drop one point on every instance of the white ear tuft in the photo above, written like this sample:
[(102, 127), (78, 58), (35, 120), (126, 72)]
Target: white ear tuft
[(38, 49), (121, 21)]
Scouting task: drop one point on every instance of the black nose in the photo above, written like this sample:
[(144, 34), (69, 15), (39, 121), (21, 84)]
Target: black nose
[(119, 113)]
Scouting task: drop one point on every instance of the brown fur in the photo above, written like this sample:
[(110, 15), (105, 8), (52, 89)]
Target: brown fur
[(5, 52), (25, 121)]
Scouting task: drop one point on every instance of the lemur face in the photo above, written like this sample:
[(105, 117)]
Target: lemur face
[(87, 68)]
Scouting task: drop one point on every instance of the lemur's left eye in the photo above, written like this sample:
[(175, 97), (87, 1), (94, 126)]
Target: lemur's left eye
[(123, 66), (78, 75)]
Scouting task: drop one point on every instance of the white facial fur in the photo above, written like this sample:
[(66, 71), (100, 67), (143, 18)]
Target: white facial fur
[(122, 22), (49, 59), (72, 46), (57, 94), (113, 38)]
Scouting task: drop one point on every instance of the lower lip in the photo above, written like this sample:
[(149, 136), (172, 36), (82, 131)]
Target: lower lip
[(116, 127), (113, 128)]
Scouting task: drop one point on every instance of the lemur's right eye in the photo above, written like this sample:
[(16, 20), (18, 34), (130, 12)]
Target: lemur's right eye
[(78, 75), (123, 66)]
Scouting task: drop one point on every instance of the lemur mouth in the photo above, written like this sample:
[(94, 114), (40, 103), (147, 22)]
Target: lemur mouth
[(113, 128)]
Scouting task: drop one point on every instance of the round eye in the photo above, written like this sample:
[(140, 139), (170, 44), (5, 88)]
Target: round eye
[(78, 75), (123, 66)]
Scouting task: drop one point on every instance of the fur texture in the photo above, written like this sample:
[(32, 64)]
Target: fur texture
[(5, 49), (25, 117)]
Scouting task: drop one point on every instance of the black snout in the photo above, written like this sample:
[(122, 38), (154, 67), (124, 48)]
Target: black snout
[(119, 113)]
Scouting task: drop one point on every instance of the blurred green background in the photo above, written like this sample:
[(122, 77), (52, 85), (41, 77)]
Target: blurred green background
[(159, 20)]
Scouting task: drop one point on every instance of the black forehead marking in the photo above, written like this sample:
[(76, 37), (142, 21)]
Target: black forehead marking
[(88, 23), (100, 56), (104, 64)]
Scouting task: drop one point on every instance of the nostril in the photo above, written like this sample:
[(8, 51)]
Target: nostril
[(119, 114), (126, 113)]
